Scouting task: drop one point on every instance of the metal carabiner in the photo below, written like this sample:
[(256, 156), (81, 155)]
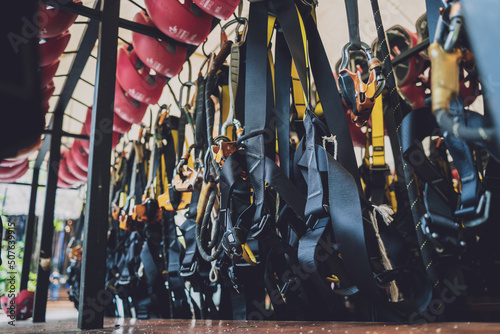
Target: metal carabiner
[(358, 95)]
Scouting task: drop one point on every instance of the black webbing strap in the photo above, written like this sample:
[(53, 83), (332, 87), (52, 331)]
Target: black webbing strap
[(331, 101), (200, 136), (256, 101), (393, 122), (282, 88), (351, 7), (176, 283)]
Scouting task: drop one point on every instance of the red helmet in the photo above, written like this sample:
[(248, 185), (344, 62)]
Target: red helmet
[(184, 22), (52, 48), (14, 172), (469, 90), (23, 302), (76, 170), (135, 78), (415, 95), (401, 39), (53, 21), (80, 157), (9, 163), (63, 184), (86, 143), (47, 73), (47, 93), (64, 173), (119, 125), (26, 151), (127, 108), (221, 9), (164, 57)]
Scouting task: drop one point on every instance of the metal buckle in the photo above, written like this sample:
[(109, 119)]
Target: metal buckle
[(479, 213)]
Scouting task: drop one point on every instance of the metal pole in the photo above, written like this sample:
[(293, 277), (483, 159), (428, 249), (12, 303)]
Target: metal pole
[(93, 295), (28, 232), (43, 272), (53, 141)]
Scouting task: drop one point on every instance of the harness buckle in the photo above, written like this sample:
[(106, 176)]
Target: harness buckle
[(476, 215), (187, 272)]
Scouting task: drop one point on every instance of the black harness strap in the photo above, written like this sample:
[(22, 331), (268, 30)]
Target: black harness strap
[(256, 101), (351, 7)]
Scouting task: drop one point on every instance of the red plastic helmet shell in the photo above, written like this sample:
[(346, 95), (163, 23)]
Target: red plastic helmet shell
[(53, 21), (164, 57), (470, 90), (127, 108), (9, 163), (14, 172), (184, 22), (47, 93), (119, 125), (415, 94), (86, 143), (62, 184), (26, 151), (47, 73), (221, 9), (64, 173), (80, 157), (52, 48), (24, 304), (136, 78), (76, 170)]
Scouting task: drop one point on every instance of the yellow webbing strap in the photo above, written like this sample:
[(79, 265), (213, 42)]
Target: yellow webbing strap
[(225, 105), (378, 133), (299, 96)]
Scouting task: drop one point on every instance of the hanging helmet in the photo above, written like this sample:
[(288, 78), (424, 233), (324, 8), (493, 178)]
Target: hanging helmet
[(77, 171), (64, 173), (53, 21), (80, 157), (164, 57), (136, 79), (52, 48), (85, 144), (127, 108), (15, 172), (185, 22), (415, 95), (119, 125), (401, 39), (469, 89), (221, 9), (27, 150), (47, 93), (9, 163), (62, 184), (47, 73)]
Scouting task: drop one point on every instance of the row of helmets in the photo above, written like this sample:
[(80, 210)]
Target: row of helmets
[(53, 34), (143, 68)]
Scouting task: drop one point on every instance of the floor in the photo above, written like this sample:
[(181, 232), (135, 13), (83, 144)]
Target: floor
[(61, 318)]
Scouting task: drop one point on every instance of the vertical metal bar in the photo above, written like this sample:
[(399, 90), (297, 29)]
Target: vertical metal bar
[(28, 232), (93, 295), (43, 272), (53, 142)]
